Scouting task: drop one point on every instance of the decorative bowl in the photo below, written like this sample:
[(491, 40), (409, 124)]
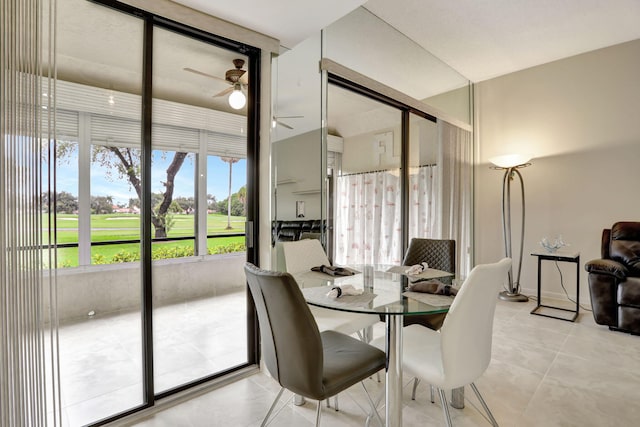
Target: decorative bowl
[(552, 246)]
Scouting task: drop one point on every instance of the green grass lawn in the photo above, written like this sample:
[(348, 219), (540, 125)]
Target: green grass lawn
[(127, 227)]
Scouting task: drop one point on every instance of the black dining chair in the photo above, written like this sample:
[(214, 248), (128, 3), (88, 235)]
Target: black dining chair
[(305, 361), (439, 254)]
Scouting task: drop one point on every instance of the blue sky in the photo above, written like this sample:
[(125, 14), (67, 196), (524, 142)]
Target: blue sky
[(104, 185)]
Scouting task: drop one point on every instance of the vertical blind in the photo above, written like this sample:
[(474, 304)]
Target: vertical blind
[(25, 77)]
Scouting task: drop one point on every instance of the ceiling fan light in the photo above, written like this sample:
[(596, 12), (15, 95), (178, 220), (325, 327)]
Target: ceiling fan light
[(237, 99)]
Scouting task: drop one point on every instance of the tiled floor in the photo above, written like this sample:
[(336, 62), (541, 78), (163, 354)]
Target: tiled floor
[(544, 372), (101, 355)]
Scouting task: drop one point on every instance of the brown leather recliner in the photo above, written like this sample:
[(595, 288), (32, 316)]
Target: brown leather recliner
[(614, 280)]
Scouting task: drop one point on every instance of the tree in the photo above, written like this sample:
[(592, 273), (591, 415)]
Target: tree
[(65, 202), (242, 198), (231, 161), (126, 163), (212, 203), (101, 204), (186, 204)]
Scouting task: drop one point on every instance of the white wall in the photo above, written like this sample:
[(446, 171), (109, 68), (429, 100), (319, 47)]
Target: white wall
[(297, 162), (580, 117), (116, 287)]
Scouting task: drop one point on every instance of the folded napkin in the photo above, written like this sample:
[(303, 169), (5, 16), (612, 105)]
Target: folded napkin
[(417, 269), (333, 270), (339, 291), (433, 287)]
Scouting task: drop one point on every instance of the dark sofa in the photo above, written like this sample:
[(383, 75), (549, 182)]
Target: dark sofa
[(614, 279), (288, 230)]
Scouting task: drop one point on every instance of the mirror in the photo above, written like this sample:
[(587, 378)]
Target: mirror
[(321, 132)]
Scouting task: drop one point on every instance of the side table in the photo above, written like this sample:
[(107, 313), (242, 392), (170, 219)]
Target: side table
[(563, 257)]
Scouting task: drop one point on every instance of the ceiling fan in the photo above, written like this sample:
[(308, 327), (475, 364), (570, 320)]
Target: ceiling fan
[(276, 121), (233, 77)]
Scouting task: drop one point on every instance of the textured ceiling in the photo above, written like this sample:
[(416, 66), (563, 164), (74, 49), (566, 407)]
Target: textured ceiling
[(480, 39), (290, 21)]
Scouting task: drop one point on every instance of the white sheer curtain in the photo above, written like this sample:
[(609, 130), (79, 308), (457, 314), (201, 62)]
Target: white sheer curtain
[(368, 215), (423, 184), (368, 221), (455, 202)]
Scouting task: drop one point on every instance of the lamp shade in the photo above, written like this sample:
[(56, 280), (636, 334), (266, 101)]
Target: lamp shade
[(510, 160), (237, 99)]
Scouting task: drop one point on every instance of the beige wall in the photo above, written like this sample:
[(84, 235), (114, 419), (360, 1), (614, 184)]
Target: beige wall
[(580, 118), (297, 163)]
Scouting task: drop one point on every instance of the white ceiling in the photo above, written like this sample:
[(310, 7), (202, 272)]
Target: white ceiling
[(480, 39), (289, 21)]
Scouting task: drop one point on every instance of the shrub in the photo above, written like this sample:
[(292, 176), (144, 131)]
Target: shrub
[(166, 252), (228, 248), (99, 259), (125, 256)]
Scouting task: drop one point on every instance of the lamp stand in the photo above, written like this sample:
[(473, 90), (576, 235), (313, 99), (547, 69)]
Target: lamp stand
[(513, 291)]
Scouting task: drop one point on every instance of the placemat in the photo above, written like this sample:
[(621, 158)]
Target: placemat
[(318, 295), (431, 299)]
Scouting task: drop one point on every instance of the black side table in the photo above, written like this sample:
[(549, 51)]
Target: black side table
[(563, 257)]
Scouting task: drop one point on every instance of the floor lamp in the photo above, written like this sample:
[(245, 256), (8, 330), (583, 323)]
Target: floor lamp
[(510, 164)]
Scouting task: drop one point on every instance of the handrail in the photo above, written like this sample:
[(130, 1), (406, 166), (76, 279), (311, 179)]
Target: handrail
[(155, 240)]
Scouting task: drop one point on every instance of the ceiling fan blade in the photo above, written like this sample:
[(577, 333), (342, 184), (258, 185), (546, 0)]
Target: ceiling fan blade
[(191, 70), (284, 124), (224, 92)]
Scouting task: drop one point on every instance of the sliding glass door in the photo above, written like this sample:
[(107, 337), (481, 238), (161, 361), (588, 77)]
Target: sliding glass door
[(366, 178), (99, 300), (153, 197), (199, 195), (396, 173)]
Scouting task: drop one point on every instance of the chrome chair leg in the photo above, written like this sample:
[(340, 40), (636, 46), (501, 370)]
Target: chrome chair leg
[(273, 405), (445, 407), (374, 409), (415, 386), (335, 402), (298, 400), (433, 400), (318, 413), (494, 423)]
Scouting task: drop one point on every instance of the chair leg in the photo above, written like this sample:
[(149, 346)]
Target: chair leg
[(445, 407), (273, 405), (433, 400), (494, 423), (298, 400), (415, 386), (374, 409), (318, 413), (335, 402)]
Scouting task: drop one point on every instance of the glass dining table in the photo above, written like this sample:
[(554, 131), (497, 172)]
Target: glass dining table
[(384, 292)]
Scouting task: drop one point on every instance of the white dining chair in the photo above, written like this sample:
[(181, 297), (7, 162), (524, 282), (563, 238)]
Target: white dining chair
[(300, 256), (460, 351)]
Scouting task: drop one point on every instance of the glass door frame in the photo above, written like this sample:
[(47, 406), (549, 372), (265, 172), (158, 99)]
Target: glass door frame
[(406, 112), (253, 54)]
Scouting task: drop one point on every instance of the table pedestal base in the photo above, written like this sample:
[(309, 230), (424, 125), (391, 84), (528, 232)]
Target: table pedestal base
[(393, 395)]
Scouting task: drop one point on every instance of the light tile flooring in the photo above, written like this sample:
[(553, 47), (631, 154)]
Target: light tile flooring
[(101, 356), (544, 372)]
